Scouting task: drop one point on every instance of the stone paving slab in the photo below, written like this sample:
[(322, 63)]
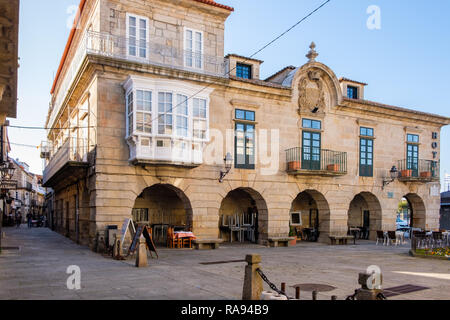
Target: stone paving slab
[(38, 270)]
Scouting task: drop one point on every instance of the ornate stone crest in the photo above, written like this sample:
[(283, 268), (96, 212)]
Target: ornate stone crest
[(311, 93)]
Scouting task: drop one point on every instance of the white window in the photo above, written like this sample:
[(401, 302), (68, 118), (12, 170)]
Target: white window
[(165, 116), (137, 30), (200, 118), (144, 111), (193, 49), (182, 120), (130, 121)]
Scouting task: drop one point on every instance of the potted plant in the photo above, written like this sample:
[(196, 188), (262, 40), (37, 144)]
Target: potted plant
[(406, 173), (294, 165), (425, 174), (293, 234), (333, 167)]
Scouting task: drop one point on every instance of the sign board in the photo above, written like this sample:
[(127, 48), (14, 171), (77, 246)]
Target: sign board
[(125, 227), (149, 240), (8, 184), (136, 238), (142, 230), (434, 191)]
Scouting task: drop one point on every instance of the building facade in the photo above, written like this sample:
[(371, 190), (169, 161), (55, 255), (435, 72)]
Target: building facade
[(29, 195), (145, 107)]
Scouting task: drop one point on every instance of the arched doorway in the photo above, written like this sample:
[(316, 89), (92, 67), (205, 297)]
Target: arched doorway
[(162, 206), (364, 213), (243, 217), (310, 215), (416, 211)]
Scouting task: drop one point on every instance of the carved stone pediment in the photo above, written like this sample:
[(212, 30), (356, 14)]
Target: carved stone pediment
[(311, 93)]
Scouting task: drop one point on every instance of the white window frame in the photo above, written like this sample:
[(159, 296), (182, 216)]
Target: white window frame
[(158, 114), (188, 117), (194, 138), (138, 38), (193, 52), (144, 112)]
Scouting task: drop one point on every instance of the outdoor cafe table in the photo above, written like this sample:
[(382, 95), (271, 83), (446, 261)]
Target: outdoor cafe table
[(184, 234)]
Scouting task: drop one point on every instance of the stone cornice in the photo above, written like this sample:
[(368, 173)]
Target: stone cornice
[(378, 109)]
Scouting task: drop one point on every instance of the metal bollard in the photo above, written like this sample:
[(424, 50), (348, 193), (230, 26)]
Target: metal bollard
[(253, 285), (334, 298), (283, 287), (297, 293), (314, 295)]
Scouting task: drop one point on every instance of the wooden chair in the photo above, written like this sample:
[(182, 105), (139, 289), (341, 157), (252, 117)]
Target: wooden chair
[(186, 242), (172, 242)]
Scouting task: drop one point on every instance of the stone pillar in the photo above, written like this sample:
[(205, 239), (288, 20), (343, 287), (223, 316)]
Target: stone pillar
[(253, 285), (141, 257)]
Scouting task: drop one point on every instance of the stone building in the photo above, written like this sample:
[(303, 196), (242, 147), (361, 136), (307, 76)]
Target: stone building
[(145, 106), (28, 196)]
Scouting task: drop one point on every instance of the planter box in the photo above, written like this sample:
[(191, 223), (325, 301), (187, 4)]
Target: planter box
[(333, 167), (406, 173), (426, 174), (294, 166), (293, 242)]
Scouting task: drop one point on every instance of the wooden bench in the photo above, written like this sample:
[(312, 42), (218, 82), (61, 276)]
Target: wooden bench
[(280, 241), (207, 244), (341, 240)]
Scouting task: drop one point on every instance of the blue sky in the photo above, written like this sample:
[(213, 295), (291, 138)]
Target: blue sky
[(406, 63)]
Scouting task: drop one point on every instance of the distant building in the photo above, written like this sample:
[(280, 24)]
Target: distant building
[(447, 182), (29, 194), (445, 211)]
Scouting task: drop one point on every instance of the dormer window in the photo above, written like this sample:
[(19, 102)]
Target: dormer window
[(244, 71), (352, 92)]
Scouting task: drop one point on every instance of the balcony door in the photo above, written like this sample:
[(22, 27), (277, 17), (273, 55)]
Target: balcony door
[(412, 159), (311, 150)]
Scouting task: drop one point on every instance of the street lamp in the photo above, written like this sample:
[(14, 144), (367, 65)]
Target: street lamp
[(228, 164), (393, 175), (7, 170)]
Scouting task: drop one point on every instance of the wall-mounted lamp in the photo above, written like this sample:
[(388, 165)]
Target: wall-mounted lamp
[(228, 164), (393, 175)]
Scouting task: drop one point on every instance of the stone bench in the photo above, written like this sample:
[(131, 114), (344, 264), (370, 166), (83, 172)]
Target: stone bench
[(341, 240), (207, 244), (280, 241)]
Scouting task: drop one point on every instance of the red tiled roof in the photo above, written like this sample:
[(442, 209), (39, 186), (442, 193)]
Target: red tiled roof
[(213, 3)]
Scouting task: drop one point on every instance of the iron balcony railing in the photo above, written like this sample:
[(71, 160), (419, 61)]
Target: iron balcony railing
[(333, 162), (72, 150), (147, 53), (417, 168)]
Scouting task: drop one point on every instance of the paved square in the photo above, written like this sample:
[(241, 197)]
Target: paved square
[(38, 270)]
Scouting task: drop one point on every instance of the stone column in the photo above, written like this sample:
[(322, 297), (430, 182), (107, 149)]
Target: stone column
[(253, 285)]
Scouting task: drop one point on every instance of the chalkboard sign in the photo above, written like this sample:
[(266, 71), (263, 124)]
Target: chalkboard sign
[(135, 242), (143, 230), (149, 240)]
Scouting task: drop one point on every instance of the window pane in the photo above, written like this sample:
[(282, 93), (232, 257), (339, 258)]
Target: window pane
[(250, 116), (240, 114), (307, 123)]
